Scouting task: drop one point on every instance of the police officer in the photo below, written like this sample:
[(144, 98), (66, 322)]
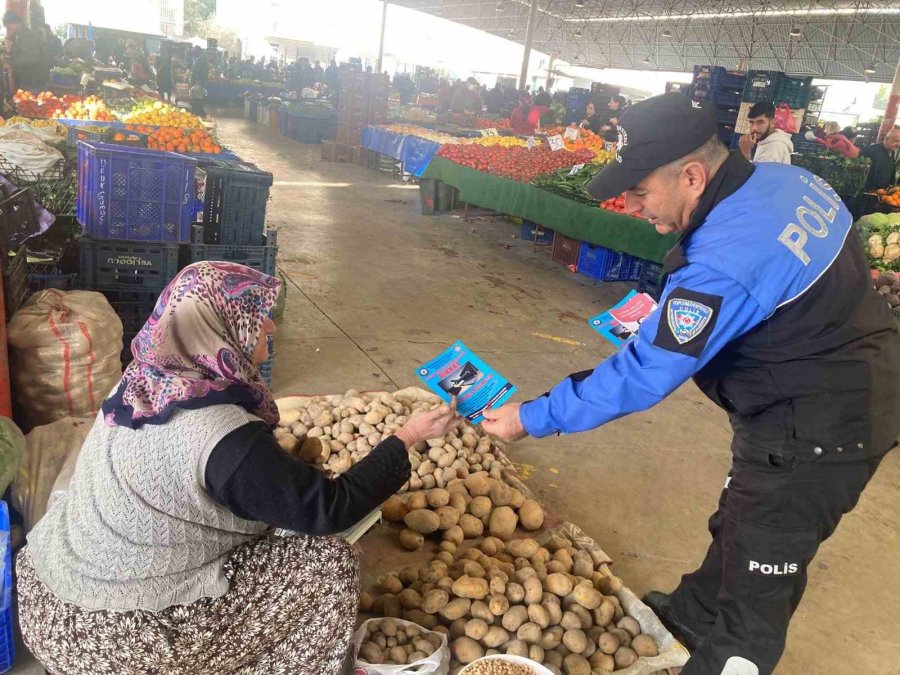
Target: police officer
[(769, 307)]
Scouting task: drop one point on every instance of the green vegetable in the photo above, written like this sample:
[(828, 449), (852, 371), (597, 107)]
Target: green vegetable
[(572, 187)]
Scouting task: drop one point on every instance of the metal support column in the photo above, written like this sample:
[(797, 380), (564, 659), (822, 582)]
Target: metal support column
[(890, 114), (529, 33), (378, 63)]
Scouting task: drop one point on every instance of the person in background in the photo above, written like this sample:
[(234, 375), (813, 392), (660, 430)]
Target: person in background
[(493, 100), (834, 140), (616, 106), (765, 143), (318, 72), (883, 171), (331, 75), (165, 82), (199, 80), (161, 555), (466, 98), (526, 118), (30, 66), (53, 48), (542, 98), (593, 121)]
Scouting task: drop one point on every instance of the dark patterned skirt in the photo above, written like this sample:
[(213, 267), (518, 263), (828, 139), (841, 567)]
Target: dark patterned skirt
[(290, 608)]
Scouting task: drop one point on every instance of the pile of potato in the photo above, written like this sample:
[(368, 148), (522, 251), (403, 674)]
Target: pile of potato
[(335, 432), (547, 603), (391, 642), (464, 510)]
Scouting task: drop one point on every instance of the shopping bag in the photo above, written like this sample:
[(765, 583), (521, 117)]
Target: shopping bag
[(437, 663), (784, 119)]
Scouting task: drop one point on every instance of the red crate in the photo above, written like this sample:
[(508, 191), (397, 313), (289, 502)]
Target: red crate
[(565, 251)]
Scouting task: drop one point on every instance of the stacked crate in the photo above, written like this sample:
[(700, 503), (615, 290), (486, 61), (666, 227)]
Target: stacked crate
[(721, 88), (136, 208), (362, 100), (576, 104), (776, 88)]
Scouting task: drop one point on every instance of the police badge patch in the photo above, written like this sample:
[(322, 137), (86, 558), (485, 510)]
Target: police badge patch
[(689, 320)]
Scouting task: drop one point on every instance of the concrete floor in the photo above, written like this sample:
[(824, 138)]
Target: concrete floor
[(376, 289)]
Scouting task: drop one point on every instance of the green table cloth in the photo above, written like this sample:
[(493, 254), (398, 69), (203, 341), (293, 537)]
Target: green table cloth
[(578, 221)]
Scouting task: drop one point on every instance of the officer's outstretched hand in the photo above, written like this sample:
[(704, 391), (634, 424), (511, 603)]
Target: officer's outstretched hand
[(504, 423)]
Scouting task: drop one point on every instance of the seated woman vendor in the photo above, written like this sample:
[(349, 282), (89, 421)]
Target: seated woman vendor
[(161, 556)]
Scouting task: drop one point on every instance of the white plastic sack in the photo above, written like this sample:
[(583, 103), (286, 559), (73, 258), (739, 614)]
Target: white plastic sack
[(49, 451), (437, 663), (64, 355)]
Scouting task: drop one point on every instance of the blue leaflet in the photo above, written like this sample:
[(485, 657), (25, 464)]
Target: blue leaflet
[(459, 372), (621, 322)]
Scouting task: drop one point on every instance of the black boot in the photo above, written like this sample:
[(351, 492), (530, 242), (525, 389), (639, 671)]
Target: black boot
[(661, 604)]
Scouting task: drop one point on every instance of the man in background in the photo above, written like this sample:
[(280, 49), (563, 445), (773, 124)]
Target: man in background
[(765, 143), (882, 173), (466, 98), (30, 67)]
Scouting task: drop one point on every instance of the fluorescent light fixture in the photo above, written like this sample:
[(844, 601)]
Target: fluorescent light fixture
[(647, 61), (667, 33), (795, 32), (579, 3), (579, 32), (871, 69), (499, 7)]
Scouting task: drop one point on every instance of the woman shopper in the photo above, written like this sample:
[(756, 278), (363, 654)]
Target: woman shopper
[(526, 118), (159, 558)]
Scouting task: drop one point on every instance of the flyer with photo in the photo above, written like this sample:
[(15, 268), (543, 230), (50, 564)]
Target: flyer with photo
[(620, 323), (460, 372)]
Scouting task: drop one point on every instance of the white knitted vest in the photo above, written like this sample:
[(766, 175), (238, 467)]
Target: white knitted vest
[(137, 529)]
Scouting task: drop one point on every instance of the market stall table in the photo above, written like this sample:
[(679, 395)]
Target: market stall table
[(414, 152)]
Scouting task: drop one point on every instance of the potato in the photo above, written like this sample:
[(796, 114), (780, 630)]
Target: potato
[(516, 648), (537, 614), (411, 541), (554, 612), (501, 494), (422, 521), (514, 618), (563, 556), (465, 650), (478, 484), (644, 645), (416, 501), (495, 637), (470, 587), (624, 657), (433, 572), (480, 610), (503, 522), (394, 509), (587, 596), (473, 569), (553, 660), (456, 609), (630, 624), (435, 600), (492, 545), (623, 635), (610, 585), (409, 575), (454, 534), (570, 620), (398, 654), (371, 653), (531, 514), (480, 506), (515, 592), (448, 517), (602, 662), (391, 606), (476, 629), (575, 640), (390, 584), (457, 628), (558, 584), (534, 592), (604, 614), (556, 567), (438, 497), (608, 643), (529, 632), (409, 599), (447, 547), (498, 604), (552, 637), (418, 616), (497, 583), (575, 664), (458, 502), (415, 656), (522, 548), (471, 526)]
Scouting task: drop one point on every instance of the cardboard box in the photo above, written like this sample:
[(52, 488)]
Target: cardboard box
[(343, 152), (329, 151)]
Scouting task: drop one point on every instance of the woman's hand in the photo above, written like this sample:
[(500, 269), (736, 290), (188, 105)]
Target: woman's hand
[(433, 424)]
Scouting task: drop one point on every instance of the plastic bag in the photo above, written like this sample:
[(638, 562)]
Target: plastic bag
[(437, 663), (64, 355), (784, 119), (50, 451)]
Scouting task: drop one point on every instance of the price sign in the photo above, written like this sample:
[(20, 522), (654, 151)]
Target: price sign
[(571, 133), (530, 142), (609, 146), (556, 142), (576, 169), (489, 132)]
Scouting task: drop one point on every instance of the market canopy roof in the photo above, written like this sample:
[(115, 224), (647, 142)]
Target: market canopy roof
[(838, 40)]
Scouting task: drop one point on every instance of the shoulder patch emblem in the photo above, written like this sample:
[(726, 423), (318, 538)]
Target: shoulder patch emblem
[(687, 319)]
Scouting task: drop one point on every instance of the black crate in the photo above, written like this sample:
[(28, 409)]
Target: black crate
[(15, 281), (127, 265), (18, 218), (234, 202), (260, 258), (133, 309), (651, 280)]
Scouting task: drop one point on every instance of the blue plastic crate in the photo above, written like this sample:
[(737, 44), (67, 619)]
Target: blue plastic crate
[(234, 202), (260, 258), (725, 97), (135, 194), (116, 264), (535, 233), (604, 264), (7, 639)]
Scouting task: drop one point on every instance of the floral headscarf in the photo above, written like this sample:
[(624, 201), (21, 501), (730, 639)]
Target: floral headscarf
[(196, 348)]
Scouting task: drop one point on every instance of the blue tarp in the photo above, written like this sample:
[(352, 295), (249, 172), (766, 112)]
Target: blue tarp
[(414, 152)]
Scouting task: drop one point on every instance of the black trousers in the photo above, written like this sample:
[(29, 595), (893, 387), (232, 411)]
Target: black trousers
[(773, 514)]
